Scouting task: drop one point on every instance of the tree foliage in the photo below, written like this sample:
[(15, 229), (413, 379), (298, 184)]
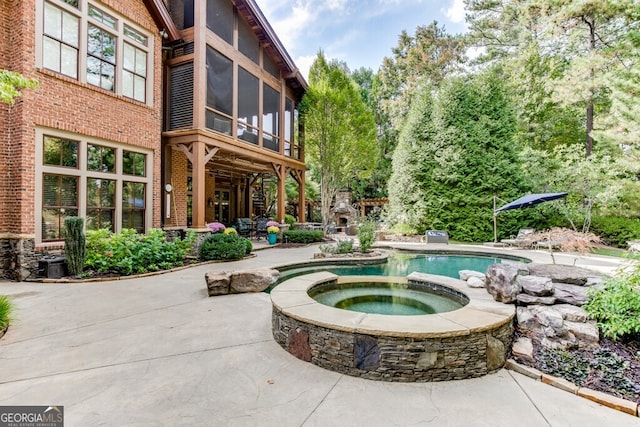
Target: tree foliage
[(11, 83), (340, 131), (455, 153)]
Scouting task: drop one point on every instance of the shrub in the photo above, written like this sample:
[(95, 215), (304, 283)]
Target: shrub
[(342, 247), (216, 227), (616, 230), (223, 246), (302, 236), (6, 308), (405, 230), (129, 252), (248, 246), (289, 219), (616, 306), (366, 235), (74, 244)]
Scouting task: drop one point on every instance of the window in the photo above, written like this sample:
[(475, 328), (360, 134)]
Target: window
[(247, 106), (101, 204), (219, 91), (60, 152), (270, 118), (220, 19), (59, 200), (133, 206), (106, 183), (101, 159), (108, 53), (247, 42), (60, 42), (270, 65), (133, 163)]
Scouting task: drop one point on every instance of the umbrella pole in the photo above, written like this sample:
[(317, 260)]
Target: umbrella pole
[(495, 222)]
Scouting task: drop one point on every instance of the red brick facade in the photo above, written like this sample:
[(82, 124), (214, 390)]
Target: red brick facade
[(64, 104)]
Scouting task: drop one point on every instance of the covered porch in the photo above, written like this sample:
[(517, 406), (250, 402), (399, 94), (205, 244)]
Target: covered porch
[(209, 177)]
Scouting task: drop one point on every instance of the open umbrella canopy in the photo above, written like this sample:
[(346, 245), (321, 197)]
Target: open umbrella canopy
[(530, 200)]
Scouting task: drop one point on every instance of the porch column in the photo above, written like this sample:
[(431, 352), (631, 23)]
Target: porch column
[(199, 196), (281, 171), (302, 209)]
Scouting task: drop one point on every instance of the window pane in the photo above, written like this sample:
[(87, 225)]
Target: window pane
[(247, 97), (220, 19), (219, 82), (68, 191), (133, 163), (217, 122), (101, 16), (52, 21), (101, 159), (288, 118), (248, 134), (135, 35), (70, 29), (51, 54), (108, 76), (247, 42), (140, 89), (141, 62), (60, 198), (270, 66), (60, 152), (69, 59), (100, 219), (270, 110), (93, 71), (100, 193), (50, 190), (127, 84), (129, 56)]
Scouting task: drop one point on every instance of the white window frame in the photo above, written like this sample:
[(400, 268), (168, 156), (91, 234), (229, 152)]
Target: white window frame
[(83, 173), (82, 12)]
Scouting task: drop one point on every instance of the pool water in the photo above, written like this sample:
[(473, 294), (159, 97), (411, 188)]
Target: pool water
[(403, 264), (384, 298)]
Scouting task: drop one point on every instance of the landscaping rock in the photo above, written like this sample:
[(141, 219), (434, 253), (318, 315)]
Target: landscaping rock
[(523, 349), (571, 312), (570, 294), (586, 333), (563, 273), (466, 274), (502, 283), (527, 299), (217, 283), (253, 280), (536, 286), (475, 282), (496, 356)]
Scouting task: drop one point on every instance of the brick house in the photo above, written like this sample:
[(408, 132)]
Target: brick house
[(109, 126)]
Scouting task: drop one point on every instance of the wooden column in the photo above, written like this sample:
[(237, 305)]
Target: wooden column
[(302, 209), (198, 195), (281, 172)]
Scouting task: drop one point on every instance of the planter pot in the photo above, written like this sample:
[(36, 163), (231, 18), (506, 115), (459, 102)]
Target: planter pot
[(272, 238)]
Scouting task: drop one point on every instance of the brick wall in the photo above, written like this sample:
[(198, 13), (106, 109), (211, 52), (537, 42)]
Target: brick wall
[(65, 104)]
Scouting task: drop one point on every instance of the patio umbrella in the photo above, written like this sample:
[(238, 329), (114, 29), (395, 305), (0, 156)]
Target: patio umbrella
[(523, 202), (530, 200)]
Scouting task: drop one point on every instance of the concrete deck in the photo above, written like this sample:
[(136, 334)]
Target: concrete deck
[(158, 351)]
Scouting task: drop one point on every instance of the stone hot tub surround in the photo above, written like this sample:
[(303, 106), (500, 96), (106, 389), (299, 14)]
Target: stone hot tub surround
[(465, 343)]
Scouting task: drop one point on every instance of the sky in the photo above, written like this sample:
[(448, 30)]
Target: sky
[(358, 32)]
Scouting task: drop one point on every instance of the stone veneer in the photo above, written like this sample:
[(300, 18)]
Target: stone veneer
[(465, 343), (19, 257)]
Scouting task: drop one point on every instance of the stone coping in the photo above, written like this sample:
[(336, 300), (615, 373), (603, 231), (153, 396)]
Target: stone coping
[(452, 250), (481, 314)]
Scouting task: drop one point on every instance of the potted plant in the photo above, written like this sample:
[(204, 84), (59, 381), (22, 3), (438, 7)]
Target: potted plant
[(216, 227), (272, 233)]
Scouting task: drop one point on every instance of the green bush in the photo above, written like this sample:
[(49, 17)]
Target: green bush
[(616, 230), (6, 308), (616, 306), (289, 219), (342, 247), (223, 246), (302, 236), (74, 244), (129, 252), (248, 246), (366, 235)]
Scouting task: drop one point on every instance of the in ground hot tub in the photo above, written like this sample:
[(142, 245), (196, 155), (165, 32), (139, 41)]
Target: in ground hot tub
[(465, 342)]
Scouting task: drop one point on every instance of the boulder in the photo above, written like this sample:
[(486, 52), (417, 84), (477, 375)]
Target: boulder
[(526, 299), (563, 273), (496, 354), (217, 283), (541, 319), (466, 274), (586, 333), (536, 286), (570, 294), (253, 280), (523, 349), (502, 283), (475, 282), (571, 313)]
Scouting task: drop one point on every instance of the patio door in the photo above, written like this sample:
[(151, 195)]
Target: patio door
[(222, 212)]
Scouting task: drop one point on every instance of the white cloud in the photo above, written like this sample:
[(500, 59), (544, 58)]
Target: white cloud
[(456, 11), (304, 64)]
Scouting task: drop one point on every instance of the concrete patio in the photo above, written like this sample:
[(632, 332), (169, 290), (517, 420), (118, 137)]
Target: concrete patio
[(157, 351)]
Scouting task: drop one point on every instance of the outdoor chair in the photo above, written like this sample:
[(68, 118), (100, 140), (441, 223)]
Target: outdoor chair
[(244, 226), (261, 227), (522, 240)]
